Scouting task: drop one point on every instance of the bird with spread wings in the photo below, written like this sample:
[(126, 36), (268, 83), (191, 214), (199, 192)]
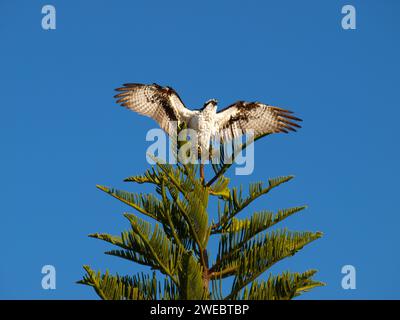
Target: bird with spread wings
[(164, 105)]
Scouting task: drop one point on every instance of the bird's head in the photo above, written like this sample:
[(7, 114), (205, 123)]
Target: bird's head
[(210, 105)]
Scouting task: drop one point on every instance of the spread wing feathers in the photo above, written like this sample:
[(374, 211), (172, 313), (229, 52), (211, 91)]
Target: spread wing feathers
[(263, 119), (162, 104)]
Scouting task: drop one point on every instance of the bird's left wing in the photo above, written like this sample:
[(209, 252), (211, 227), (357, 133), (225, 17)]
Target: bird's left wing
[(162, 104), (263, 119)]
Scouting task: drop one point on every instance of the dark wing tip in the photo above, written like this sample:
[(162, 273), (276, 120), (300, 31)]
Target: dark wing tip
[(291, 123), (287, 120), (292, 117), (122, 94), (127, 86), (281, 110), (132, 85), (287, 126)]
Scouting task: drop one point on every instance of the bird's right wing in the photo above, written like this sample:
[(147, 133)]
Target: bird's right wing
[(162, 104), (262, 119)]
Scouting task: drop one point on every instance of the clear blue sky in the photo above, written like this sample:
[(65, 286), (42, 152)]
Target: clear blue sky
[(62, 133)]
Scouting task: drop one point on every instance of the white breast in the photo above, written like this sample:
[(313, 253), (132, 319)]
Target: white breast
[(204, 125)]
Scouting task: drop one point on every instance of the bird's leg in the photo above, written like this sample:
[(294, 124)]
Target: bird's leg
[(202, 172), (200, 155)]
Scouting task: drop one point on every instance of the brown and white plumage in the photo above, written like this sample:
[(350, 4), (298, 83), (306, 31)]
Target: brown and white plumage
[(164, 105), (263, 119)]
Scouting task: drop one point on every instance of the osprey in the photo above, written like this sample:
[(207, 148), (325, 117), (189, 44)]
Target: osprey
[(164, 105)]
